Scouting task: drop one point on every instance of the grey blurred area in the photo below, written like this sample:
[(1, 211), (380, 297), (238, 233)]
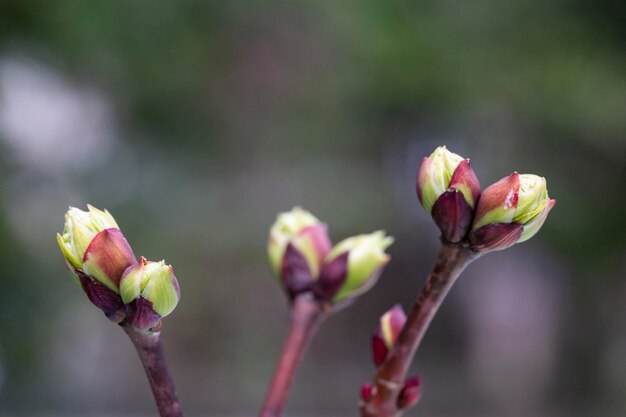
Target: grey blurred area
[(196, 122)]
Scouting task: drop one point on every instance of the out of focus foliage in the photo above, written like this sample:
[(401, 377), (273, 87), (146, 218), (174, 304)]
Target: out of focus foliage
[(209, 117)]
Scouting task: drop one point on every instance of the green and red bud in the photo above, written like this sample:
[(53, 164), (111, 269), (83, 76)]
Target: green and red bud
[(510, 211), (353, 266), (448, 189), (97, 253), (389, 327), (150, 292), (410, 394), (297, 246), (300, 254)]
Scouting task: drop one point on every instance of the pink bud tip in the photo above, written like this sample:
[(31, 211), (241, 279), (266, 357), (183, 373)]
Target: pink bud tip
[(464, 179), (391, 324), (502, 195)]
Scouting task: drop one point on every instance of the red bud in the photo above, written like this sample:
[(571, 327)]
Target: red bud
[(379, 349), (367, 392), (410, 394)]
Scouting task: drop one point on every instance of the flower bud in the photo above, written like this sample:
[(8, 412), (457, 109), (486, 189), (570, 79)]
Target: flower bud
[(353, 266), (410, 394), (150, 292), (97, 253), (297, 245), (390, 326), (510, 211), (448, 189)]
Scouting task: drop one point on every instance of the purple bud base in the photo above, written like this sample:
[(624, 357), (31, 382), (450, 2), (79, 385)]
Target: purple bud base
[(496, 236), (141, 315), (102, 297), (332, 277), (295, 272), (453, 215)]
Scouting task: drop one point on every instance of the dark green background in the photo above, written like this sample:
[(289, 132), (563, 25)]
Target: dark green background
[(195, 122)]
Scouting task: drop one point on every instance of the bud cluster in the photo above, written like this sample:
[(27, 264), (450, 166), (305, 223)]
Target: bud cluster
[(302, 257), (389, 327), (130, 292), (510, 211)]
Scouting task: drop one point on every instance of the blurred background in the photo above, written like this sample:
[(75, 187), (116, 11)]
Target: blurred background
[(195, 122)]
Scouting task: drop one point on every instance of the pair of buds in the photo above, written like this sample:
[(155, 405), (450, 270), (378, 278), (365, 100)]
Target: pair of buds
[(409, 395), (509, 211), (135, 292), (302, 257)]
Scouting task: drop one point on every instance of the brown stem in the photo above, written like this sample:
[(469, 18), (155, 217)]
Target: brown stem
[(150, 350), (390, 376), (306, 314)]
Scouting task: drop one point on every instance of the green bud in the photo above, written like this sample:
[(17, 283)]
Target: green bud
[(79, 230), (365, 261), (435, 174), (305, 233), (533, 205), (510, 211), (150, 291)]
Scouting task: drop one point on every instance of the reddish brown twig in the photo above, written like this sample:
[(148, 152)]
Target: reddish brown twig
[(150, 350), (306, 314), (391, 374)]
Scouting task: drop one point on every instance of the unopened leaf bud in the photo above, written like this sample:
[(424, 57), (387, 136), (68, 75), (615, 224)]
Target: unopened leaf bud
[(353, 266), (389, 328), (448, 189), (97, 253), (150, 292), (510, 211), (297, 245)]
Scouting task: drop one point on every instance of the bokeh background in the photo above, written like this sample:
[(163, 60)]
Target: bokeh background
[(195, 122)]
